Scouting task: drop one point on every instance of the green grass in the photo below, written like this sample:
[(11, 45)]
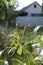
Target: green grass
[(12, 29)]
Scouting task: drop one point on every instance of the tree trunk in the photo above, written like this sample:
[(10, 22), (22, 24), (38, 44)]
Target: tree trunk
[(6, 22), (6, 26)]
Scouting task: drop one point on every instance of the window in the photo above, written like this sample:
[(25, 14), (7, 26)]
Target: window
[(35, 6), (23, 13), (36, 14)]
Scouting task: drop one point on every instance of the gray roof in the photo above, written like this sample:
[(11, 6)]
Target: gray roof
[(30, 5)]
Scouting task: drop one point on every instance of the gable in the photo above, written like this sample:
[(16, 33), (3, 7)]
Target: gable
[(34, 8), (31, 5)]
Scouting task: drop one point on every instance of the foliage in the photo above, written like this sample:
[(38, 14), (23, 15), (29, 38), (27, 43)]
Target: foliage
[(42, 7), (7, 12), (19, 46), (6, 9), (23, 13)]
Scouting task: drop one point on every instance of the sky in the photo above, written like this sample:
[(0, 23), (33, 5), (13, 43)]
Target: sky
[(23, 3)]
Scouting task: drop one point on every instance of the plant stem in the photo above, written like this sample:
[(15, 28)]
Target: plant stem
[(2, 46)]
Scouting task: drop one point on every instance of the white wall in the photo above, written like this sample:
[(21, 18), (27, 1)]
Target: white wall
[(31, 9), (32, 21)]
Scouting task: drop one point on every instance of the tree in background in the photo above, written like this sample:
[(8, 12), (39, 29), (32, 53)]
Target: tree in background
[(42, 6), (7, 11)]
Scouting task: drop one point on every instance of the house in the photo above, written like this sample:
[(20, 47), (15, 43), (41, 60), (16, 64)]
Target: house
[(34, 15), (34, 8)]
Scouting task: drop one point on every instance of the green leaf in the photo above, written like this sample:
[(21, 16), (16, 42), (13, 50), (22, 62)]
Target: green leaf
[(27, 61), (11, 50), (26, 50), (1, 53), (30, 60), (19, 51), (42, 38), (13, 1), (6, 3), (19, 61), (28, 57)]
